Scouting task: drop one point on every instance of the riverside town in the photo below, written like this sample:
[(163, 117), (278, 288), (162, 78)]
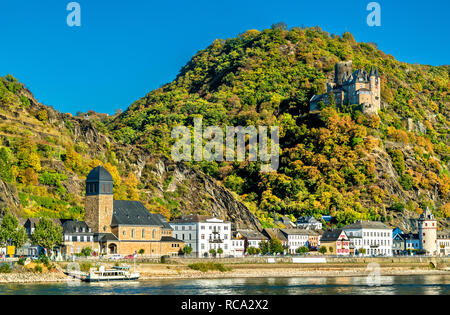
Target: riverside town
[(207, 152)]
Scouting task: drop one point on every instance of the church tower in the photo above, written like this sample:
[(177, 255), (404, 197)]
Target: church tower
[(99, 200), (428, 232)]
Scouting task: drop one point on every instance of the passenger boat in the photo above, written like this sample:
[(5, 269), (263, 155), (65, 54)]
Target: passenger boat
[(117, 273)]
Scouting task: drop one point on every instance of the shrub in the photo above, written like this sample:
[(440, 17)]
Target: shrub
[(38, 268), (164, 259), (85, 266), (5, 268), (209, 266), (21, 262)]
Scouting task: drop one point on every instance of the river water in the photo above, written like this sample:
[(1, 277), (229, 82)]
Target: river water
[(427, 284)]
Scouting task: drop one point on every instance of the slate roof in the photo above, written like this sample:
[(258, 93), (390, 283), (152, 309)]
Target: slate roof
[(134, 213), (103, 237), (191, 218), (367, 225), (310, 219), (72, 227), (331, 235), (275, 233), (252, 235), (99, 174), (170, 239)]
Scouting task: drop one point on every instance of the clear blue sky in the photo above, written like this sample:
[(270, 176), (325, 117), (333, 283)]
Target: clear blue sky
[(124, 49)]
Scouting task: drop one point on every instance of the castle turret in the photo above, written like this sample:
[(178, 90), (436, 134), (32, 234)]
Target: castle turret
[(342, 69), (428, 232), (99, 200), (374, 79)]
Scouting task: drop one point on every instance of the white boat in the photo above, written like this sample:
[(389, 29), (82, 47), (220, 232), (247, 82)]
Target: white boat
[(117, 273)]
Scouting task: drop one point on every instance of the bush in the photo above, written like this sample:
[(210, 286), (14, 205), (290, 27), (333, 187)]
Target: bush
[(85, 266), (44, 260), (209, 266), (164, 259), (5, 268), (38, 268), (21, 262)]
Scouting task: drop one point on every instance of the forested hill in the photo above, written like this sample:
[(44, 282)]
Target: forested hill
[(387, 167), (46, 155)]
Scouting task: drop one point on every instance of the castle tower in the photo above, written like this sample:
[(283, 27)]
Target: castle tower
[(342, 69), (99, 200), (428, 232), (374, 79)]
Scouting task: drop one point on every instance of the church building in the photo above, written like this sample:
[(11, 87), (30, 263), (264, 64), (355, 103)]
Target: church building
[(120, 226)]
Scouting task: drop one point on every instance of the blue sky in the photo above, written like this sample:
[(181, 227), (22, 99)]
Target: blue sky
[(124, 49)]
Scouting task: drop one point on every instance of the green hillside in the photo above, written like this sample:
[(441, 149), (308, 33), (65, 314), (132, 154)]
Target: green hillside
[(339, 162)]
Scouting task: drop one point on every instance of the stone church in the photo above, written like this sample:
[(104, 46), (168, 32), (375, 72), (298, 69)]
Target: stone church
[(358, 87), (119, 226)]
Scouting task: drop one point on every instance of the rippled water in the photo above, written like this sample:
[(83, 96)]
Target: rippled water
[(430, 284)]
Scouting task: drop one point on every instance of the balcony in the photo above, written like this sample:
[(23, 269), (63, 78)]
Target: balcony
[(215, 240)]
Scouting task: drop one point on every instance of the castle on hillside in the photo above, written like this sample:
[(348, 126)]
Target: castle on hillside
[(350, 87)]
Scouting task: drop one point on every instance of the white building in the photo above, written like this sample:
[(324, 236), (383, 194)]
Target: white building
[(295, 238), (203, 233), (251, 237), (374, 237), (237, 247), (443, 243), (309, 223)]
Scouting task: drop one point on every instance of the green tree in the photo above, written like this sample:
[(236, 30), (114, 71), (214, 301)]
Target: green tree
[(47, 234), (251, 250), (141, 252), (220, 251), (323, 250), (276, 247), (5, 164), (212, 251), (264, 247), (11, 233), (86, 251), (187, 250), (302, 250)]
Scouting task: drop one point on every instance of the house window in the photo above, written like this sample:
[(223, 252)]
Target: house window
[(143, 233), (153, 234), (124, 232), (103, 188), (132, 233)]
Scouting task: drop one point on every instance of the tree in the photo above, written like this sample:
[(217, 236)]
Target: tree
[(302, 250), (331, 249), (141, 252), (86, 251), (276, 246), (220, 251), (251, 250), (47, 234), (264, 247), (323, 250), (212, 251), (11, 233), (362, 250), (187, 250)]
